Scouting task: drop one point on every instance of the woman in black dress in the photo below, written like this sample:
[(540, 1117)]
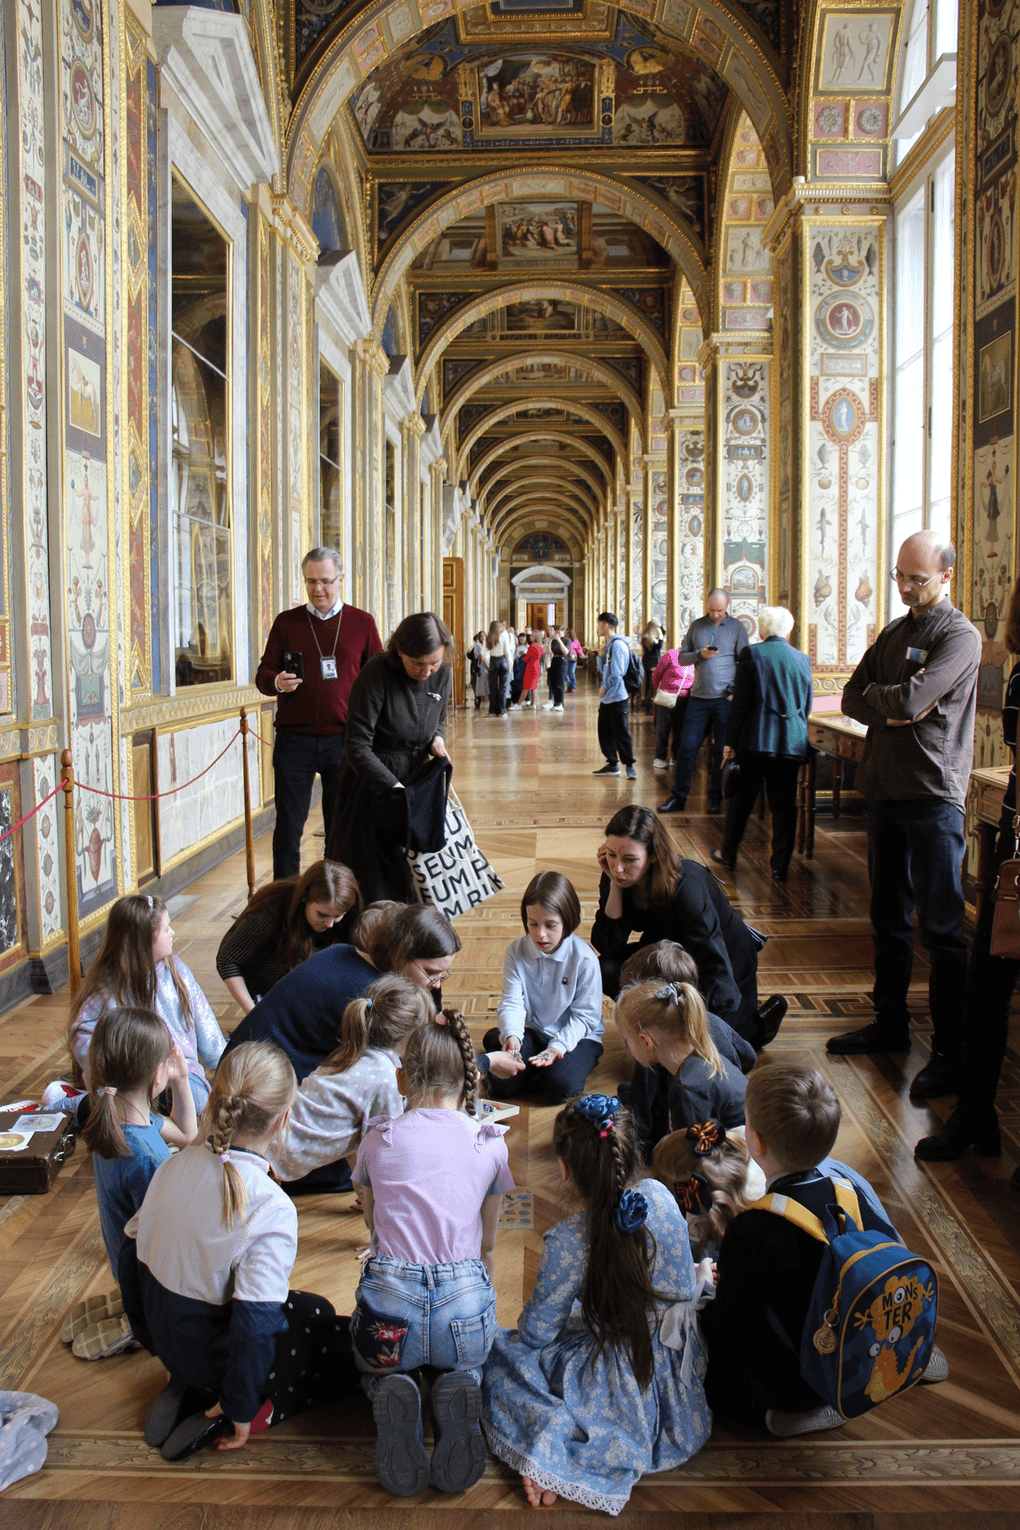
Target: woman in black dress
[(396, 718)]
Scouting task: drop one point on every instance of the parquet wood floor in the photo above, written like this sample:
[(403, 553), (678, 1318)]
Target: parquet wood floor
[(527, 785)]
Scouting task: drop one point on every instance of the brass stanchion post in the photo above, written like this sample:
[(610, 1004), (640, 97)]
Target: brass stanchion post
[(71, 873), (249, 840)]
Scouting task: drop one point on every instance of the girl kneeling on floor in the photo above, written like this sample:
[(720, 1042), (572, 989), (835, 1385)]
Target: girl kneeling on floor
[(550, 1013), (432, 1181), (131, 1061), (205, 1269), (583, 1402)]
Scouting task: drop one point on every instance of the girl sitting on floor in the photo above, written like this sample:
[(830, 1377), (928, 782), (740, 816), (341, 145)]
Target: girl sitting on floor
[(432, 1181), (131, 1061), (665, 1026), (582, 1404), (205, 1275), (550, 1013), (136, 967), (358, 1080), (713, 1178)]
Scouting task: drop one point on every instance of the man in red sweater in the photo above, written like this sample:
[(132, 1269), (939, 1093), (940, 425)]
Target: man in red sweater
[(334, 641)]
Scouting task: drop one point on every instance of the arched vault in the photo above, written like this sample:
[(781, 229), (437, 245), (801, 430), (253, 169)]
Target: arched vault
[(599, 373), (540, 401)]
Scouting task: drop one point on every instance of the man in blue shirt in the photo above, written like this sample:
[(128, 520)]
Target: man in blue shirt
[(713, 645), (614, 735)]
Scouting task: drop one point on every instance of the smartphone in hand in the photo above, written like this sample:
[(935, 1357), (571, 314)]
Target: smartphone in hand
[(294, 662)]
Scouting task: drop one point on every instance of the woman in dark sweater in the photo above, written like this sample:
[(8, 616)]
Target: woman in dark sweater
[(283, 924), (396, 715), (646, 886)]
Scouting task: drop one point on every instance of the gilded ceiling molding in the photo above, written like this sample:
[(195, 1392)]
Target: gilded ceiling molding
[(710, 30), (544, 401), (548, 491), (543, 478), (600, 301), (514, 443), (524, 523), (516, 520), (601, 376), (845, 102), (624, 198)]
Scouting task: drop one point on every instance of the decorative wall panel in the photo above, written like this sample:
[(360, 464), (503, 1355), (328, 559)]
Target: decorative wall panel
[(190, 818), (745, 423), (659, 524), (690, 572), (844, 272)]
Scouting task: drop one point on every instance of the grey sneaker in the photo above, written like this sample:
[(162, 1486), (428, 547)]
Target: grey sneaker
[(401, 1465), (607, 770), (631, 773), (787, 1424)]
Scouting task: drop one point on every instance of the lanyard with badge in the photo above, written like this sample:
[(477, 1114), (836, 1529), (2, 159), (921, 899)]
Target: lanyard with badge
[(327, 662)]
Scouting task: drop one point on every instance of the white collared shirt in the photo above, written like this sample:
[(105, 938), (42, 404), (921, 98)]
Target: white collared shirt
[(557, 994), (325, 616)]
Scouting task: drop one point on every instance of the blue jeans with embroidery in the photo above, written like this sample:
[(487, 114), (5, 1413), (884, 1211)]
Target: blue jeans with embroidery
[(409, 1315)]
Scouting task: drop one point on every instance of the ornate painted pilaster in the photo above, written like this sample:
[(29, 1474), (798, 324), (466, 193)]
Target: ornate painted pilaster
[(739, 404), (297, 251), (686, 582), (371, 366), (412, 429)]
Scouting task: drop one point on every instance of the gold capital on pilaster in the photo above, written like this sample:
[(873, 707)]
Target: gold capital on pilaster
[(292, 228), (414, 424), (371, 354)]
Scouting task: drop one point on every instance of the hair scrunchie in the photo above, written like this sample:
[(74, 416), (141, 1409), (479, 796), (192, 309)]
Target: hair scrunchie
[(693, 1195), (631, 1211), (670, 993), (368, 1003), (109, 1089), (599, 1109), (705, 1136), (224, 1158)]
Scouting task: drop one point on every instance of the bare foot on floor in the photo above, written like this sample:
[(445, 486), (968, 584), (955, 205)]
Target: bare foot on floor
[(539, 1498)]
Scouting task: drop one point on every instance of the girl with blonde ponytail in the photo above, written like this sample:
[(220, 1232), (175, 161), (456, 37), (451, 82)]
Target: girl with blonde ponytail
[(205, 1275), (432, 1181), (131, 1060), (666, 1028), (358, 1080), (583, 1405)]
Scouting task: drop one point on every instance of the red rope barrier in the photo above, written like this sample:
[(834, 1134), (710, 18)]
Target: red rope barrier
[(155, 796), (261, 740), (8, 832)]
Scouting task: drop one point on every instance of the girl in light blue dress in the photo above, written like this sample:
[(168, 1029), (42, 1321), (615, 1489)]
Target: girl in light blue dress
[(583, 1402)]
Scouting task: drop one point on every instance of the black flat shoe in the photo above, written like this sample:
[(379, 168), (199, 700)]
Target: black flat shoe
[(176, 1401), (870, 1038), (963, 1130), (193, 1435), (720, 859), (672, 805), (770, 1018)]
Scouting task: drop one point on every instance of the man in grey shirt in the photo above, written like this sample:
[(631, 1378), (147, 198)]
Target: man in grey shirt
[(713, 645), (916, 688)]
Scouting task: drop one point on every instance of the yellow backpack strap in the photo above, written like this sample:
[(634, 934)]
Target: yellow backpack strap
[(846, 1199), (793, 1211)]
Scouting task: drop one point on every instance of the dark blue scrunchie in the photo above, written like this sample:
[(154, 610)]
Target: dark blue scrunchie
[(598, 1108), (632, 1211)]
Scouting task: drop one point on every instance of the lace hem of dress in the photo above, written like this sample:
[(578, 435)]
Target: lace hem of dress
[(543, 1479)]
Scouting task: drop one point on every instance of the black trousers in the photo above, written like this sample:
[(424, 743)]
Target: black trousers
[(557, 680), (990, 984), (498, 670), (559, 1082), (780, 778), (614, 735), (297, 759)]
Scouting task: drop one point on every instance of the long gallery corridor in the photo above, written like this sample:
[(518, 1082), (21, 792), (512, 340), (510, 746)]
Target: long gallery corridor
[(942, 1451)]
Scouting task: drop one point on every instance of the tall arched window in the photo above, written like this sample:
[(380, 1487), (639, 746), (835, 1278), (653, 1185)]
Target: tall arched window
[(924, 190)]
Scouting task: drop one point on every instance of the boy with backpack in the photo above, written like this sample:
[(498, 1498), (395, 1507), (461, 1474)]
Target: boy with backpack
[(790, 1341), (614, 699)]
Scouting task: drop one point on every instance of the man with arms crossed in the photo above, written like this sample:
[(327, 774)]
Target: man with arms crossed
[(916, 688)]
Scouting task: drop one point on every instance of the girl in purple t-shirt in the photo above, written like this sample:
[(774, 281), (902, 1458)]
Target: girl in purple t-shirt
[(432, 1181)]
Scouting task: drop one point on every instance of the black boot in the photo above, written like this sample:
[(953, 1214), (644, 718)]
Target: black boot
[(968, 1126)]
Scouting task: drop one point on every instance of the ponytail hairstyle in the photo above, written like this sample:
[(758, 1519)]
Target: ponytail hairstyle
[(440, 1056), (129, 1045), (597, 1140), (665, 959), (385, 1016), (707, 1172), (253, 1087), (124, 968), (670, 1012)]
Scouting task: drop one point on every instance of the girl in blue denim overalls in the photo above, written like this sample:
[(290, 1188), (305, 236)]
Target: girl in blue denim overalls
[(432, 1181)]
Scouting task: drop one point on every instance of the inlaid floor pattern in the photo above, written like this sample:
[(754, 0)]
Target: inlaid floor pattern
[(528, 787)]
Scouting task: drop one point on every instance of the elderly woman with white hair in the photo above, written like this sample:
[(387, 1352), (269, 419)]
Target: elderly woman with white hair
[(768, 736)]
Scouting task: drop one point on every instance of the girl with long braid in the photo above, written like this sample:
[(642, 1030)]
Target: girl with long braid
[(205, 1275), (582, 1403), (432, 1181)]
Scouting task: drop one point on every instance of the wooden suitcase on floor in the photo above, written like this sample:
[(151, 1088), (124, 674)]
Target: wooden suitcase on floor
[(29, 1167)]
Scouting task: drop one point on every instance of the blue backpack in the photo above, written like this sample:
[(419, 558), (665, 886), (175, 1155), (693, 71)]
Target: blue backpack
[(633, 679), (870, 1325)]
